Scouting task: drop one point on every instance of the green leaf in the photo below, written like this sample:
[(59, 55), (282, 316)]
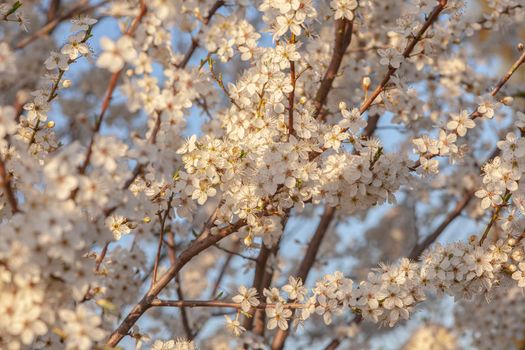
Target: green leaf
[(13, 9)]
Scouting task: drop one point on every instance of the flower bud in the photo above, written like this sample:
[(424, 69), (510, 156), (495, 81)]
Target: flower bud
[(248, 240), (66, 83), (520, 47), (517, 255), (50, 124), (366, 83), (512, 267), (507, 100)]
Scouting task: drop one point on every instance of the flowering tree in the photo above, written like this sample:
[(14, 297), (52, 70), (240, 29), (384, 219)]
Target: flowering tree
[(284, 170)]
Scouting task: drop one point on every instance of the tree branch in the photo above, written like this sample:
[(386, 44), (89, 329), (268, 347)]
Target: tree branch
[(343, 37), (406, 53), (306, 265), (5, 183), (217, 303), (204, 241), (109, 92)]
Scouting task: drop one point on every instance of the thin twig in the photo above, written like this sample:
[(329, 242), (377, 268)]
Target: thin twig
[(194, 41), (343, 37), (218, 303), (204, 241), (109, 91), (291, 95), (406, 53), (5, 183), (307, 264), (162, 219)]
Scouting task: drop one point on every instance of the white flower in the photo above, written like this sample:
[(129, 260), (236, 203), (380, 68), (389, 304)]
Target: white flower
[(76, 47), (139, 337), (106, 153), (82, 327), (188, 146), (7, 121), (27, 324), (519, 202), (118, 226), (295, 289), (287, 22), (344, 8), (447, 143), (278, 317), (519, 275), (37, 110), (247, 298), (273, 296), (390, 57), (460, 123), (62, 179), (429, 166), (426, 145), (57, 60), (333, 138), (201, 190), (489, 196), (234, 326), (352, 120), (486, 105), (520, 120), (115, 55), (164, 345), (326, 307), (183, 344), (82, 23)]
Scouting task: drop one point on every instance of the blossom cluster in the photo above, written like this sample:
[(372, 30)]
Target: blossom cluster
[(110, 200), (391, 293)]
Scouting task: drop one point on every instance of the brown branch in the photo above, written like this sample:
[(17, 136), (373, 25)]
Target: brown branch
[(262, 279), (222, 273), (162, 219), (204, 241), (53, 92), (458, 209), (5, 183), (189, 53), (260, 316), (194, 41), (406, 53), (231, 252), (456, 212), (509, 74), (49, 27), (334, 344), (52, 11), (109, 92), (495, 216), (371, 125), (102, 255), (419, 248), (306, 265), (183, 311), (217, 303), (260, 268), (343, 37), (291, 95), (494, 92)]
